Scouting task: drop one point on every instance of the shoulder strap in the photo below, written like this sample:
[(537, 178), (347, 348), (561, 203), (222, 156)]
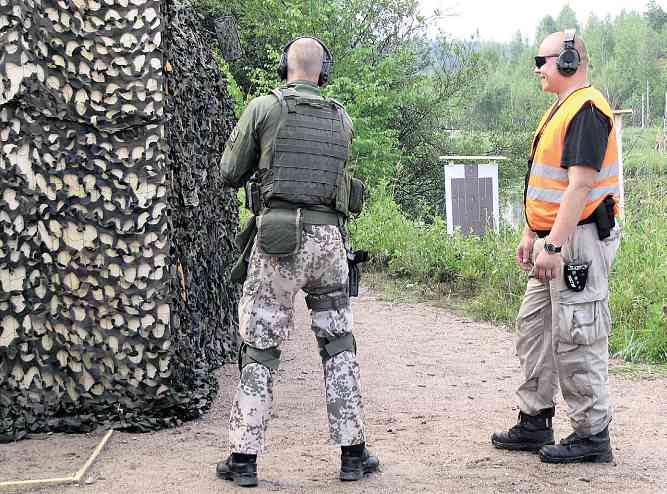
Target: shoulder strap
[(278, 93), (345, 120), (336, 102)]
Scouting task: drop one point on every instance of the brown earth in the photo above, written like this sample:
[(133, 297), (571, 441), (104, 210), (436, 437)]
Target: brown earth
[(436, 385)]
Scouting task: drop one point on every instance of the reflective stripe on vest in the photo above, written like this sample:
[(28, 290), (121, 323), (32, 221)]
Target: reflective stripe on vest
[(548, 180)]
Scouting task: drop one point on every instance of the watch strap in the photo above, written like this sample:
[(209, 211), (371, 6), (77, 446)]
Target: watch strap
[(552, 249)]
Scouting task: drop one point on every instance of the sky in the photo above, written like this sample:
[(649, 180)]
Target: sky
[(499, 20)]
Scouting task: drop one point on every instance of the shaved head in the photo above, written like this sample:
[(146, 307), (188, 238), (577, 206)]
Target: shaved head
[(304, 59), (553, 44)]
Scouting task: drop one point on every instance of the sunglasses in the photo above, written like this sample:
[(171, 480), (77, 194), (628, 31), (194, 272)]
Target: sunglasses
[(541, 60)]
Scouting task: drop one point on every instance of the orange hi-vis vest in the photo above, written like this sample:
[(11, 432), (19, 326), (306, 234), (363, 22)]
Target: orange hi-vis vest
[(548, 180)]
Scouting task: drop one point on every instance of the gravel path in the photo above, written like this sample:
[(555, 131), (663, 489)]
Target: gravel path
[(436, 386)]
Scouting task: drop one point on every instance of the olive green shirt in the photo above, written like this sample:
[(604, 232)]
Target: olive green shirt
[(252, 138)]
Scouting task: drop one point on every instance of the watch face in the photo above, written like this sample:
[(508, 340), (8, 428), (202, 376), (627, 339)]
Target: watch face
[(551, 248)]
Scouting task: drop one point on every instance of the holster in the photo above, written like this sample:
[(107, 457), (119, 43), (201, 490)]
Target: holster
[(354, 273), (604, 217), (253, 196)]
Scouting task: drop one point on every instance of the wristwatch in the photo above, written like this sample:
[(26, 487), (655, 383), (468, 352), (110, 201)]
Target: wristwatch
[(551, 248)]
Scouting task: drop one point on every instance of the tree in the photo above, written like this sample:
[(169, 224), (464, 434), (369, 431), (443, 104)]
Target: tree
[(599, 38), (398, 87), (517, 46), (567, 19), (379, 26), (433, 103), (634, 62), (655, 16), (546, 26)]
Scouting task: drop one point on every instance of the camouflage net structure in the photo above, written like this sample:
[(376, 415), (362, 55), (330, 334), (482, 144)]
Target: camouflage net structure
[(116, 234)]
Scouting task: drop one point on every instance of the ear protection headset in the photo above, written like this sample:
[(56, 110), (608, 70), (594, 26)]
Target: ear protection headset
[(569, 58), (327, 61)]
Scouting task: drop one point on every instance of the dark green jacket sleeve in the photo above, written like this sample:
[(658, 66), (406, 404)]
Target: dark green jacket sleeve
[(243, 148)]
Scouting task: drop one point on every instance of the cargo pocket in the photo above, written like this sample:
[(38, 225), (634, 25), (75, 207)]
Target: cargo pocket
[(575, 249), (584, 248), (582, 324), (279, 232)]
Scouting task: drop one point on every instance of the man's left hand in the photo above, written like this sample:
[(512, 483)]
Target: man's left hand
[(547, 266)]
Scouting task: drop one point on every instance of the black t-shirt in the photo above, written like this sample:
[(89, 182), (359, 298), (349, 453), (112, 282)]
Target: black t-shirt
[(586, 138)]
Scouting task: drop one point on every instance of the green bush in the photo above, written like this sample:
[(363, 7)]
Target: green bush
[(481, 267), (641, 159)]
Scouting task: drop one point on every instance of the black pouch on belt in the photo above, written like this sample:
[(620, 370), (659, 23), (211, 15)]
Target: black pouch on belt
[(279, 232), (575, 275), (357, 189)]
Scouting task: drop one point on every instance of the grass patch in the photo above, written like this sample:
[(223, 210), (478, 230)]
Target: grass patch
[(401, 290), (634, 371), (638, 284)]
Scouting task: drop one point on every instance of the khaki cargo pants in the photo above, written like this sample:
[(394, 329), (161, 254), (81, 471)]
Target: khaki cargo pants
[(563, 336)]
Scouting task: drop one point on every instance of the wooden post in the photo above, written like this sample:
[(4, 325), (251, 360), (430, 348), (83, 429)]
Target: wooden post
[(648, 112), (13, 486), (643, 110), (661, 138), (618, 125)]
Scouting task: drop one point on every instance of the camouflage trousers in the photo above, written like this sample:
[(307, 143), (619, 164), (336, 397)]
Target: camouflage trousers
[(563, 336), (266, 314)]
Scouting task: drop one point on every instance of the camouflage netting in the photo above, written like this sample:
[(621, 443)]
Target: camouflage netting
[(115, 230)]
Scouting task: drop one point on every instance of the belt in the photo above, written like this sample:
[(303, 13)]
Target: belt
[(312, 215), (545, 233)]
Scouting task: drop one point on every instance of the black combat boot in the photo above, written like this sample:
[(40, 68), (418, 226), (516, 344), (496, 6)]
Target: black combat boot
[(240, 468), (529, 434), (575, 449), (356, 461)]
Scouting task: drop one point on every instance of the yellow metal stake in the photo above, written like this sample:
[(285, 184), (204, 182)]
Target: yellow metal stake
[(73, 479)]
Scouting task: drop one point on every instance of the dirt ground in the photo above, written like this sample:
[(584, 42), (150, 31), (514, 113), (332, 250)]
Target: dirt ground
[(436, 385)]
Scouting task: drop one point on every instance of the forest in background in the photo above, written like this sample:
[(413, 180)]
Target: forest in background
[(414, 97)]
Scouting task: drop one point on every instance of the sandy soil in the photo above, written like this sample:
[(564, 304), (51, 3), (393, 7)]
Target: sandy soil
[(436, 386)]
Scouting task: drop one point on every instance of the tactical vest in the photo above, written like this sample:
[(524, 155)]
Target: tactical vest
[(310, 151), (548, 180)]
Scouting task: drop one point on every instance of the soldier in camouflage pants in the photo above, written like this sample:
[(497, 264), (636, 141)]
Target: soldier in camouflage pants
[(296, 145), (266, 317)]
